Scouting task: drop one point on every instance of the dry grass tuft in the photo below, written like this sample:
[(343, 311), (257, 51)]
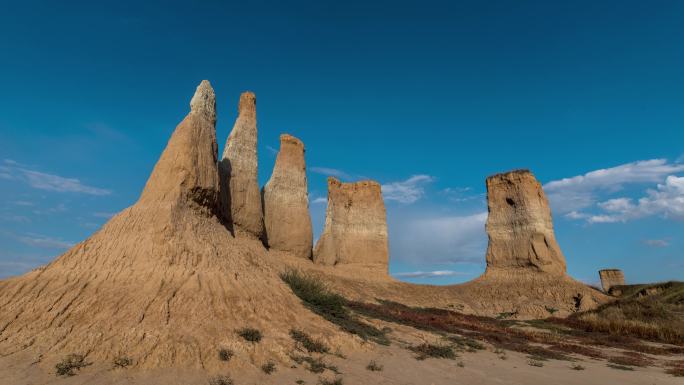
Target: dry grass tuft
[(426, 350), (676, 368), (250, 334), (70, 363)]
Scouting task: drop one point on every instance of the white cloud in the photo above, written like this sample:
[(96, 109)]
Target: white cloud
[(15, 218), (461, 194), (272, 150), (319, 200), (331, 172), (408, 191), (580, 192), (429, 274), (657, 242), (23, 203), (439, 239), (667, 201), (49, 182), (44, 242)]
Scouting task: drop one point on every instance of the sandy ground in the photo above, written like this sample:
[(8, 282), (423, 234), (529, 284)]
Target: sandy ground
[(399, 367)]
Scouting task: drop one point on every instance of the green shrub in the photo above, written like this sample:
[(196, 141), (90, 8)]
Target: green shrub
[(374, 367), (336, 381), (433, 351), (311, 345), (220, 380), (536, 363), (70, 363), (250, 334), (122, 362), (225, 354), (331, 306), (268, 367)]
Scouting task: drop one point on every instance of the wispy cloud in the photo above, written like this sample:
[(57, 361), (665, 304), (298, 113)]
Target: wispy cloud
[(23, 203), (439, 239), (657, 242), (319, 200), (44, 242), (586, 197), (327, 171), (15, 218), (666, 200), (48, 182), (407, 191), (582, 191), (272, 150), (429, 274)]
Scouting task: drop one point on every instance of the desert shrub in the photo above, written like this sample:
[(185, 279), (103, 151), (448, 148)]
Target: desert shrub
[(577, 367), (651, 312), (122, 362), (374, 366), (268, 367), (316, 365), (465, 342), (225, 354), (336, 381), (551, 310), (70, 363), (633, 359), (331, 306), (300, 382), (250, 334), (537, 358), (676, 368), (536, 363), (506, 315), (577, 349), (221, 380), (311, 345), (426, 350)]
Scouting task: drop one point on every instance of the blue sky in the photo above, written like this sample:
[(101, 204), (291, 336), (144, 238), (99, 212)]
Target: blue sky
[(426, 97)]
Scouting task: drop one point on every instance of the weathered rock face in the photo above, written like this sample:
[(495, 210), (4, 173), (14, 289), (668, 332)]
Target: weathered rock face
[(355, 229), (241, 198), (610, 278), (164, 280), (519, 225), (186, 171), (286, 201)]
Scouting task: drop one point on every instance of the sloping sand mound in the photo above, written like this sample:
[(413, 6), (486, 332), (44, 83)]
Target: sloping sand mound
[(164, 281)]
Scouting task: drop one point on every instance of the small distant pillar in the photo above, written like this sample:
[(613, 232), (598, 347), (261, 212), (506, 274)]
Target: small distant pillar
[(610, 278)]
